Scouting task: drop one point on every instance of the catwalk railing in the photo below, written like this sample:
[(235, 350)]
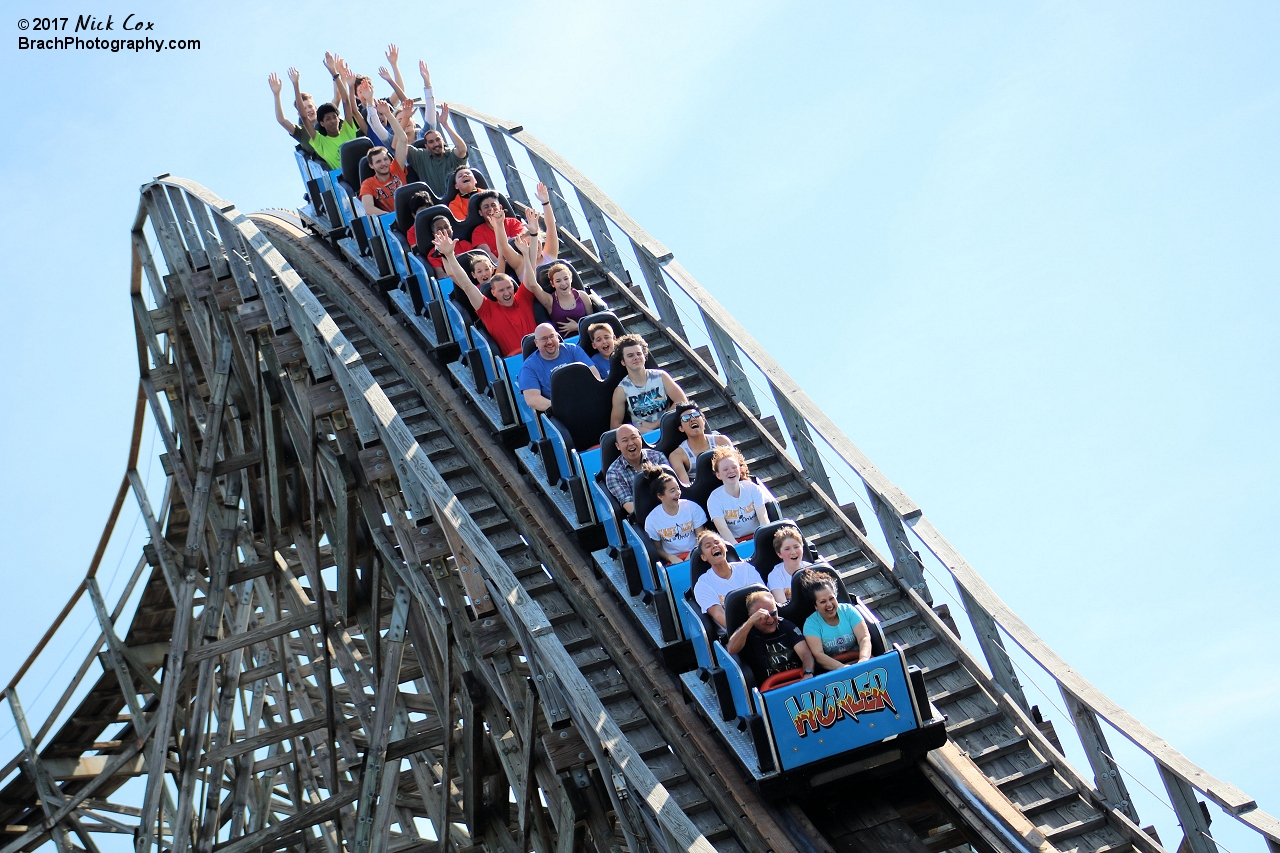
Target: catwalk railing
[(211, 348), (834, 463)]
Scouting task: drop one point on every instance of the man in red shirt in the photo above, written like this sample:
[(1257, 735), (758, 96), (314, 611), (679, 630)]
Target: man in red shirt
[(508, 317), (495, 218), (378, 193)]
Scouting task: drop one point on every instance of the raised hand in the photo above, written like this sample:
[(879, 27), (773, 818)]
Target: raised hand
[(294, 75), (385, 74), (384, 110), (329, 59), (444, 243), (444, 113), (393, 54), (543, 195), (426, 75), (531, 217), (274, 82)]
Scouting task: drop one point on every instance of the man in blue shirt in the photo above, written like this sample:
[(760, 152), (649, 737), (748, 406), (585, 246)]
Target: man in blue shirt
[(535, 374)]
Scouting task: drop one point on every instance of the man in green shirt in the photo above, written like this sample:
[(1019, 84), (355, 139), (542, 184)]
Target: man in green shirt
[(434, 163)]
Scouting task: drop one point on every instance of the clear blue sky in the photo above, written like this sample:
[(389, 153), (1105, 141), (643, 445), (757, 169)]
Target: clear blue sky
[(1037, 240)]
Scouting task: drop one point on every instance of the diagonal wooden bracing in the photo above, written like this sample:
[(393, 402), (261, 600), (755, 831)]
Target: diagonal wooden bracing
[(329, 654)]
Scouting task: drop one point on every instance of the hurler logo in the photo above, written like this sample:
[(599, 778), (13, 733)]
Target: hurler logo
[(816, 710)]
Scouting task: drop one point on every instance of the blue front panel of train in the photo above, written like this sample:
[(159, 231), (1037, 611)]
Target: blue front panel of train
[(642, 555), (841, 710), (737, 685), (604, 512), (696, 631), (558, 446)]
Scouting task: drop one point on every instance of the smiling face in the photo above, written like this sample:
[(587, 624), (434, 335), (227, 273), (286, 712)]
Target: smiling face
[(670, 495), (308, 108), (547, 341), (562, 281), (791, 551), (440, 225), (692, 423), (712, 549), (504, 290), (603, 340), (433, 142), (825, 602), (633, 357), (380, 162), (489, 207), (329, 120), (464, 180), (482, 269), (728, 471), (629, 443)]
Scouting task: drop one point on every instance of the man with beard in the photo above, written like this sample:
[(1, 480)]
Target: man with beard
[(378, 193)]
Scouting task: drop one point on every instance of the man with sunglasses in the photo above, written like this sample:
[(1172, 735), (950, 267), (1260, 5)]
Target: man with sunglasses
[(696, 442), (768, 643)]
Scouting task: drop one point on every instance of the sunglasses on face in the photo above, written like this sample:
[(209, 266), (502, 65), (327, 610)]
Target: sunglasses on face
[(690, 415)]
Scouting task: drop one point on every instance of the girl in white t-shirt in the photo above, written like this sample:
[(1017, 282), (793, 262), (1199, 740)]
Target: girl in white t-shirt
[(736, 508), (674, 523), (788, 544)]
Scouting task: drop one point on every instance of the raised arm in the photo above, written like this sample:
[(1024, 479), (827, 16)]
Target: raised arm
[(294, 77), (445, 246), (674, 392), (346, 78), (459, 147), (399, 137), (274, 82), (397, 81), (331, 65), (550, 246), (428, 98), (527, 274), (400, 96), (502, 246)]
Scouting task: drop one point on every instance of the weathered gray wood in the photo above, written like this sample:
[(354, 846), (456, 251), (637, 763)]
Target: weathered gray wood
[(158, 293), (562, 211), (658, 292), (803, 443), (1230, 798), (166, 230), (998, 660), (209, 238), (474, 156), (515, 186), (1106, 773), (731, 364), (380, 735), (905, 562), (606, 249), (186, 228), (1195, 829)]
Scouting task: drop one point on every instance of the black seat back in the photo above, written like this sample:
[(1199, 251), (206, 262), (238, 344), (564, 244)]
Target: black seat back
[(764, 558), (581, 404), (704, 481), (528, 345), (698, 566), (669, 434), (366, 171), (801, 604), (543, 276), (403, 194), (643, 497), (451, 191), (608, 449), (422, 226), (468, 225), (351, 154), (735, 606)]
